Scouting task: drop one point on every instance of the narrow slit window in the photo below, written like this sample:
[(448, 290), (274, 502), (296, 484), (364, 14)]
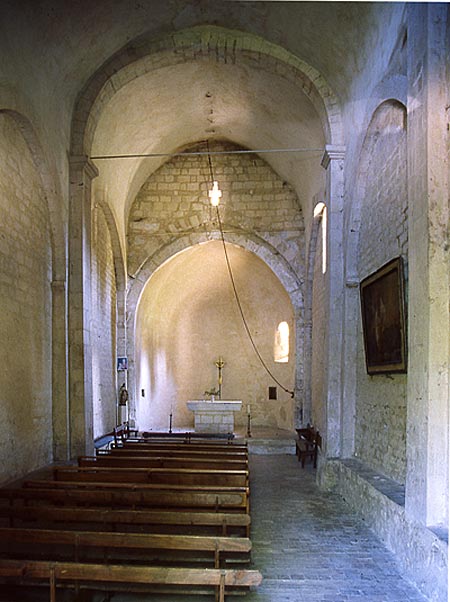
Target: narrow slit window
[(320, 211), (281, 346)]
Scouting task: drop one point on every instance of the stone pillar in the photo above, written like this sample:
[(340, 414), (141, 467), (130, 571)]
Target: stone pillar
[(123, 413), (60, 406), (82, 172), (300, 369), (135, 396), (428, 289), (333, 162)]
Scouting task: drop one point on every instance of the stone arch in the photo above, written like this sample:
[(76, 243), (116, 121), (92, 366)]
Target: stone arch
[(120, 275), (108, 294), (388, 119), (306, 413), (57, 230), (198, 43), (252, 243), (49, 187), (371, 136), (34, 309), (119, 261)]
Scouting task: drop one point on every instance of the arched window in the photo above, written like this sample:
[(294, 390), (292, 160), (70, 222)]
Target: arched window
[(281, 345), (320, 211)]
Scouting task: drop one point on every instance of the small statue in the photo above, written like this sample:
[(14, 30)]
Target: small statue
[(123, 395)]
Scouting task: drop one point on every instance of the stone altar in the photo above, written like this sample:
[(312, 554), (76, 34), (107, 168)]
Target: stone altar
[(214, 416)]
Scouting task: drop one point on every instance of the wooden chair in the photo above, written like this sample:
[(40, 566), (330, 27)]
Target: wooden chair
[(307, 445)]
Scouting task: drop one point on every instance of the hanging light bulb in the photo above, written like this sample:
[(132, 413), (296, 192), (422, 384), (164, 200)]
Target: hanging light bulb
[(215, 194)]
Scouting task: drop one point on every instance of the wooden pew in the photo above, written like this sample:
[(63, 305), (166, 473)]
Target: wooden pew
[(205, 446), (200, 523), (164, 462), (170, 452), (112, 495), (166, 476), (188, 436), (103, 545), (221, 580), (121, 435), (168, 485)]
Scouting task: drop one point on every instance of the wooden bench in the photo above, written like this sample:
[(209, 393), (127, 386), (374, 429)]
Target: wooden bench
[(105, 546), (185, 452), (112, 495), (163, 476), (187, 436), (220, 580), (182, 445), (202, 463), (198, 523), (307, 445), (117, 515)]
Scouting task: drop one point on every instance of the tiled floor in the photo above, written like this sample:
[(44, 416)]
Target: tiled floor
[(310, 547)]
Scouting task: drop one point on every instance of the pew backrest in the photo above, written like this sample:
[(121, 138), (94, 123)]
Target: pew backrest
[(167, 476), (53, 572)]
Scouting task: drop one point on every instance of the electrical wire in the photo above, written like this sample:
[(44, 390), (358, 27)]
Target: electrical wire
[(236, 295)]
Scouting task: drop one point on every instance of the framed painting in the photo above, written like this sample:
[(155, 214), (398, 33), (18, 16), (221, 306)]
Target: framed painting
[(383, 319), (122, 363)]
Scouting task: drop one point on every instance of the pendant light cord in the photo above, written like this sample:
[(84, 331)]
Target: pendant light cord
[(236, 295)]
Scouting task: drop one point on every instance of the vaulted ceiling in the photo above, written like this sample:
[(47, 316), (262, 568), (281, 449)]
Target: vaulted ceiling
[(59, 46)]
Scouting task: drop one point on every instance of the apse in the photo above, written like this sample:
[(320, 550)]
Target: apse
[(188, 317)]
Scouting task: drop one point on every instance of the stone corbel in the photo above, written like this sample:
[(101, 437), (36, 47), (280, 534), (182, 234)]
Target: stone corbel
[(332, 152), (82, 163)]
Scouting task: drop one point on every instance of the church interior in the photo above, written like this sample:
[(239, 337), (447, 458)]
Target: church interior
[(222, 201)]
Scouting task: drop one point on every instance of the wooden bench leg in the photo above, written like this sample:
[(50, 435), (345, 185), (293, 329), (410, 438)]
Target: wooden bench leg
[(216, 558), (52, 586), (220, 596)]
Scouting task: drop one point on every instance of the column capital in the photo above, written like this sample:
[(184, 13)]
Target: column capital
[(331, 153), (84, 163)]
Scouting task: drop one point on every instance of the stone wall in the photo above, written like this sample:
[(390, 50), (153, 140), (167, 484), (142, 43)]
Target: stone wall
[(104, 325), (380, 433), (419, 552), (188, 317), (25, 316), (255, 201), (257, 206)]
